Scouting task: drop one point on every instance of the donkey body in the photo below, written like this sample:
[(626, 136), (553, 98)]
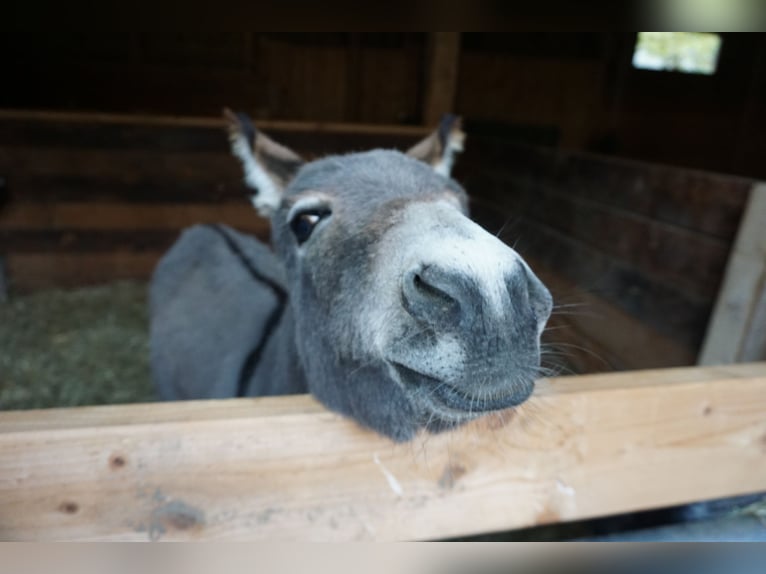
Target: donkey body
[(381, 297)]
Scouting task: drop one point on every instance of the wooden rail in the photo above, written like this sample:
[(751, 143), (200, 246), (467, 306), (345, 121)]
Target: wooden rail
[(58, 117), (92, 198), (286, 469)]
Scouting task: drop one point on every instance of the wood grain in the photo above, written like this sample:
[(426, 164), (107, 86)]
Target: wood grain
[(52, 245), (107, 216), (127, 166), (592, 335), (660, 306), (286, 469), (159, 120), (736, 331), (690, 261), (443, 65), (34, 271), (705, 202), (651, 241)]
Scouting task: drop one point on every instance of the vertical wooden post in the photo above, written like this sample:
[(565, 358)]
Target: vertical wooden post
[(736, 332), (443, 62)]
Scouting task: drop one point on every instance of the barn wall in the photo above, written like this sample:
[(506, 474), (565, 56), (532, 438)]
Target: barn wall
[(91, 199), (635, 252), (581, 85), (715, 123), (321, 77), (554, 80)]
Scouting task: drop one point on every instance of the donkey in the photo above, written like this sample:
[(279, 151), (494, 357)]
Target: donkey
[(381, 297)]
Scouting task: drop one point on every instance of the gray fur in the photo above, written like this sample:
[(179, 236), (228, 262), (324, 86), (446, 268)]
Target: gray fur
[(207, 313), (393, 339)]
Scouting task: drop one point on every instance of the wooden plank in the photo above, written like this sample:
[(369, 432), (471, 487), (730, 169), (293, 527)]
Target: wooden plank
[(353, 75), (691, 261), (391, 83), (710, 203), (195, 138), (63, 245), (92, 215), (702, 201), (286, 469), (86, 241), (84, 188), (127, 166), (660, 306), (567, 350), (34, 132), (530, 89), (607, 319), (304, 81), (599, 336), (587, 333), (34, 271), (209, 122), (738, 312), (443, 60), (98, 241)]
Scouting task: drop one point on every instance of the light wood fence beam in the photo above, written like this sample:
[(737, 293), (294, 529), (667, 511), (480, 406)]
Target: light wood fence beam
[(286, 469)]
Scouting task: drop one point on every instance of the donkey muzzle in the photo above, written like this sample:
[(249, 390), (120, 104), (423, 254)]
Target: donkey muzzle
[(451, 300)]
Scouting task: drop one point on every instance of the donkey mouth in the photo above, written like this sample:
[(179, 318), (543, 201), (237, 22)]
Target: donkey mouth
[(453, 398)]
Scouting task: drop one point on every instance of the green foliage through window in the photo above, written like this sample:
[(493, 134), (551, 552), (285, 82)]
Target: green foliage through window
[(688, 52)]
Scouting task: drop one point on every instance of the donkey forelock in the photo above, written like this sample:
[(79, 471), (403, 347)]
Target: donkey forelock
[(406, 313)]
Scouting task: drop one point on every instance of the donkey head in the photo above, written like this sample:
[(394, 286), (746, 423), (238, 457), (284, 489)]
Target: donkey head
[(407, 314)]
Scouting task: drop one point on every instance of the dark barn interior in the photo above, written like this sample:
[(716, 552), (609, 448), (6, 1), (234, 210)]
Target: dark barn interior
[(576, 90), (624, 188)]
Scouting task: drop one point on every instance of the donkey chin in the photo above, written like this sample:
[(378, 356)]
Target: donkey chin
[(446, 403)]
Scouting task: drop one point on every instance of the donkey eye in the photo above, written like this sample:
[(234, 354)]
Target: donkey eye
[(303, 224)]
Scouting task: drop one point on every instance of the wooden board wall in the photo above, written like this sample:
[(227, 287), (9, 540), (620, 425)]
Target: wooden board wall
[(582, 84), (348, 77), (650, 241), (94, 198), (633, 252), (713, 122)]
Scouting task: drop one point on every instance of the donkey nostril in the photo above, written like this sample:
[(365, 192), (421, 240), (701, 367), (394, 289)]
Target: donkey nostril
[(422, 286), (431, 291), (432, 295)]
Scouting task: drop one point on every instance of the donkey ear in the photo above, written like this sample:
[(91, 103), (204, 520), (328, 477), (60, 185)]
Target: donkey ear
[(440, 147), (268, 166)]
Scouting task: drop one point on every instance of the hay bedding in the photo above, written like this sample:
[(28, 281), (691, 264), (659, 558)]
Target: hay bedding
[(81, 347)]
